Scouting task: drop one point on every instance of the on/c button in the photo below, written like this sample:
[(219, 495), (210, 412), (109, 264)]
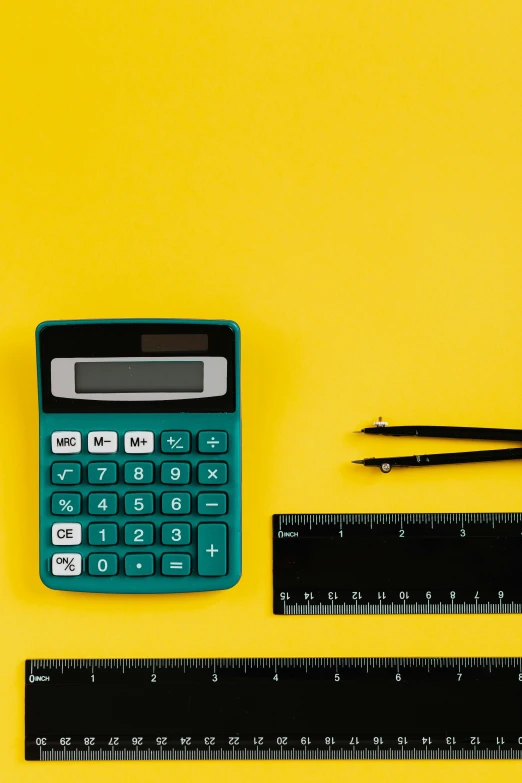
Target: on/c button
[(212, 549)]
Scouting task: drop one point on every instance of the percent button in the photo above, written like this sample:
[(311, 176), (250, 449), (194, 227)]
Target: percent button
[(68, 504)]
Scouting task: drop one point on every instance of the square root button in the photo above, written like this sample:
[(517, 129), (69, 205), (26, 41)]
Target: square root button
[(212, 549)]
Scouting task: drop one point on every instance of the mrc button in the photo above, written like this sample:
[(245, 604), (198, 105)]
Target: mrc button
[(66, 442)]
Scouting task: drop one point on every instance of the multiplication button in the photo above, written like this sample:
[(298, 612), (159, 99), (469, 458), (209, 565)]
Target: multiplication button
[(212, 473)]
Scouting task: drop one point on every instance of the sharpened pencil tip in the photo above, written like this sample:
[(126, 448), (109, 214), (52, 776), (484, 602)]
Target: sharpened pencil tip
[(358, 461), (358, 432)]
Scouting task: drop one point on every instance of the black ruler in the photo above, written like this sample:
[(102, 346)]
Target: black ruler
[(274, 708), (397, 563)]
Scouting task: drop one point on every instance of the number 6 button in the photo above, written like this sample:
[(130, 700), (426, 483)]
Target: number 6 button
[(175, 503)]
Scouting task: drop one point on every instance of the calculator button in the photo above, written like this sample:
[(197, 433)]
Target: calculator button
[(212, 549), (175, 473), (102, 503), (175, 565), (66, 533), (68, 564), (175, 533), (176, 503), (212, 473), (139, 565), (66, 473), (139, 442), (212, 503), (102, 534), (102, 473), (102, 442), (139, 535), (139, 472), (66, 442), (66, 504), (102, 564), (212, 442), (139, 503), (175, 442)]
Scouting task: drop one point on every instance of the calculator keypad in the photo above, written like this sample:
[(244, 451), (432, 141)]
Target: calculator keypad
[(137, 503)]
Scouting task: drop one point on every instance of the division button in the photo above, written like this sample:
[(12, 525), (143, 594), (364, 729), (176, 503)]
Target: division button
[(66, 564), (213, 442), (102, 442), (66, 442), (175, 565), (66, 533), (212, 549), (139, 442)]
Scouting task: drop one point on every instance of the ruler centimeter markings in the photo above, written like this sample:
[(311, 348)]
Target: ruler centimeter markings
[(274, 708), (397, 563)]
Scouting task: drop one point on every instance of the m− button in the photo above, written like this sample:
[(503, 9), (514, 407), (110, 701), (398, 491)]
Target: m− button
[(66, 442), (102, 442)]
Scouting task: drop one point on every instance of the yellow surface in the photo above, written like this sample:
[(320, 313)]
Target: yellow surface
[(342, 178)]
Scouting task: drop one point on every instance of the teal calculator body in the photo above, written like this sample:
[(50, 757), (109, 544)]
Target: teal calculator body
[(140, 455)]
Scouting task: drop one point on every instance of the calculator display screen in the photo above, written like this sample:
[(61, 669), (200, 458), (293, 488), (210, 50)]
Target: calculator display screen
[(150, 376)]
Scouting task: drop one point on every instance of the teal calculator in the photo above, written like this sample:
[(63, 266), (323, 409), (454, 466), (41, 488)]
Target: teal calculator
[(140, 455)]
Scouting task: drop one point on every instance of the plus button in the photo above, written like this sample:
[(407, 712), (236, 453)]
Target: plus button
[(212, 551)]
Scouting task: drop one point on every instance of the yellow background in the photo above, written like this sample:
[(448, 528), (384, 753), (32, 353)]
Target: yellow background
[(344, 179)]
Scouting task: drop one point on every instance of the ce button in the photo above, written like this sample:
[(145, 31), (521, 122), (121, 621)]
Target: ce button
[(67, 533)]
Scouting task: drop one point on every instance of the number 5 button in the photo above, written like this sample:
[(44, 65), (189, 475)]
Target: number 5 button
[(175, 503)]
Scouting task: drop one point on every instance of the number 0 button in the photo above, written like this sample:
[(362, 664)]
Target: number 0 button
[(103, 565), (175, 503)]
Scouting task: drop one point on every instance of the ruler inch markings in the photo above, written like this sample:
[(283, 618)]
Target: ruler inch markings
[(400, 563)]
